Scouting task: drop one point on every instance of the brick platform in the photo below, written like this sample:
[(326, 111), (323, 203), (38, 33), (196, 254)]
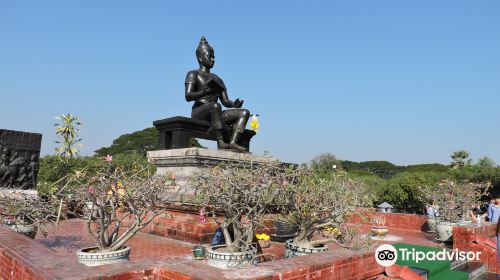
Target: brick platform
[(155, 257), (465, 237)]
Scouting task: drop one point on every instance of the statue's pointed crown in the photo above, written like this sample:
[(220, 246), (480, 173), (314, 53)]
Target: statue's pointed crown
[(203, 46), (203, 41)]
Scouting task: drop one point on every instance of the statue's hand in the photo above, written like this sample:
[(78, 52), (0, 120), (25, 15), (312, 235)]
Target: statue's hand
[(237, 103), (207, 90)]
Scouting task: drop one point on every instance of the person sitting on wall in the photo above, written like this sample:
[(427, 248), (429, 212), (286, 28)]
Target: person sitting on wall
[(432, 210), (494, 210), (474, 213)]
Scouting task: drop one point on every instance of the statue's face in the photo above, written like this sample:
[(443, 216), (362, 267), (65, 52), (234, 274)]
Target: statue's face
[(207, 59)]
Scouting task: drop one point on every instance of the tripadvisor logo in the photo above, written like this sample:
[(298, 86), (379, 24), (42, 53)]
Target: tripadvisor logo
[(387, 255)]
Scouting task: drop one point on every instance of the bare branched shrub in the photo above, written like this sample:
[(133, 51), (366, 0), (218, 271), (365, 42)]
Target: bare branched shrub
[(244, 194), (454, 198), (29, 209), (323, 206), (119, 203)]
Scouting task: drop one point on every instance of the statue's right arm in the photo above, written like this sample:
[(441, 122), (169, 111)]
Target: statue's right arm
[(192, 95), (190, 89)]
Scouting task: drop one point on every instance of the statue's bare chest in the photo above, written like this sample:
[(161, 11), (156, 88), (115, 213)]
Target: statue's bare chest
[(204, 78)]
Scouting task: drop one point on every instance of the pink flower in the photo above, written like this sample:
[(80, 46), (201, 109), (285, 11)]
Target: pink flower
[(108, 158), (284, 182), (201, 217), (91, 190)]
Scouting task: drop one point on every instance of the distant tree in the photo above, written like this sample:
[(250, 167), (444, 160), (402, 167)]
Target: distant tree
[(383, 169), (139, 141), (485, 162), (460, 159), (380, 168), (478, 174), (325, 163), (403, 190), (429, 167), (349, 166)]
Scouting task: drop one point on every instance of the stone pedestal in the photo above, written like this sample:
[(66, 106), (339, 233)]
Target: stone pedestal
[(186, 163), (182, 222)]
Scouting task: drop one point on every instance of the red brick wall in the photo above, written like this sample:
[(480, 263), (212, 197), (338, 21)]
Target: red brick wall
[(320, 266), (464, 238), (14, 268), (394, 220), (185, 226)]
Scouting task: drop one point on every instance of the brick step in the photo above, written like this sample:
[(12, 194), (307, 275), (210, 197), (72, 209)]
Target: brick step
[(474, 269), (487, 276)]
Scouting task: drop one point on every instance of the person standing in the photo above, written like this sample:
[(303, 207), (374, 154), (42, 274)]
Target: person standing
[(494, 210), (432, 216), (498, 241)]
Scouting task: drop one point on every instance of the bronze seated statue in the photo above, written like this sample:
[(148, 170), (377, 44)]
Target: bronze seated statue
[(206, 89)]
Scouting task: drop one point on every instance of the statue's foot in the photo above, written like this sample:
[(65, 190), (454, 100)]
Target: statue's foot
[(235, 146), (222, 145)]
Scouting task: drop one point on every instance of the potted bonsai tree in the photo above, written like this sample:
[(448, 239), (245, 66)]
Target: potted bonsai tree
[(118, 203), (26, 213), (453, 198), (238, 196), (321, 207)]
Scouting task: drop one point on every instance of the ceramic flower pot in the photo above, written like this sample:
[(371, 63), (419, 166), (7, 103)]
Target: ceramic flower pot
[(220, 257), (444, 231), (264, 243), (91, 257), (293, 250), (379, 230), (431, 224), (22, 227)]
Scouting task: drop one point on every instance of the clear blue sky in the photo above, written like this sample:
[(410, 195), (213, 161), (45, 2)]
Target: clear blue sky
[(404, 81)]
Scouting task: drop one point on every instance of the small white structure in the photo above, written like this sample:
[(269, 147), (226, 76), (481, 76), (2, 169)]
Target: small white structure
[(385, 208)]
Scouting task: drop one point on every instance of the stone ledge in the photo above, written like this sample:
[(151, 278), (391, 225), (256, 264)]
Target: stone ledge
[(201, 154), (188, 162)]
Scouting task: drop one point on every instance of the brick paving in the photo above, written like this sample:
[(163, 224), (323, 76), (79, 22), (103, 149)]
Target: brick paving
[(408, 236), (72, 235)]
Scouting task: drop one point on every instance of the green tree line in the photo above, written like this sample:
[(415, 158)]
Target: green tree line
[(400, 185)]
